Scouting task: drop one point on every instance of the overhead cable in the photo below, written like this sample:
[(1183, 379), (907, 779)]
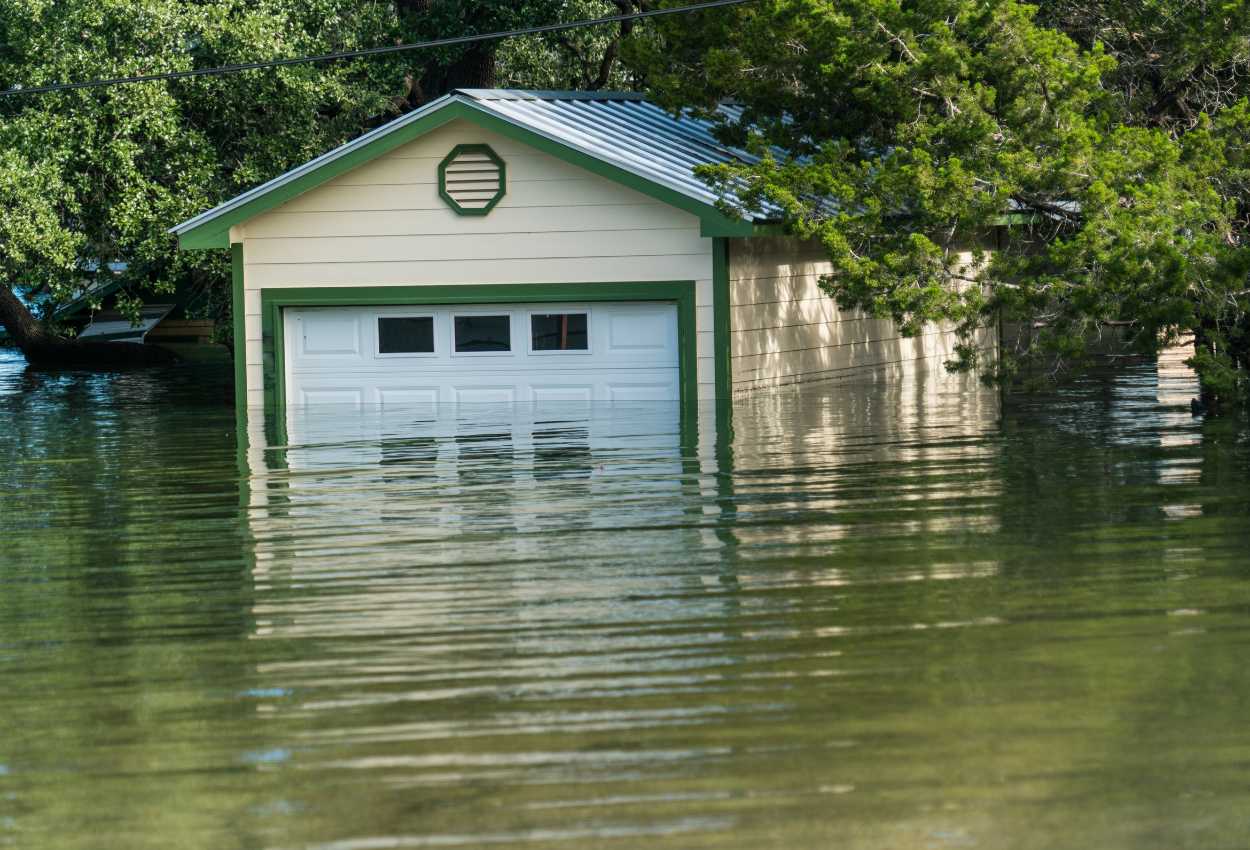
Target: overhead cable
[(371, 51)]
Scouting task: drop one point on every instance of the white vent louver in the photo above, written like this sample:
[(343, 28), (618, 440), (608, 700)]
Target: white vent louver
[(472, 179)]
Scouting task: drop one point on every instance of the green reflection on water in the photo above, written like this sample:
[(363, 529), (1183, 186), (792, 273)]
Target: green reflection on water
[(888, 616)]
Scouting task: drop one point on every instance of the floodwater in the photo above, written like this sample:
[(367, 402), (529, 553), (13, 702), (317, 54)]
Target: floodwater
[(889, 616)]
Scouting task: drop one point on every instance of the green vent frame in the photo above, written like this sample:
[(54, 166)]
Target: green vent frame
[(489, 153)]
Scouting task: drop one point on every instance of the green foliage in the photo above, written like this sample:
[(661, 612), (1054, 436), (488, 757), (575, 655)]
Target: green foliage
[(578, 59), (1110, 138), (109, 170), (916, 130), (97, 176)]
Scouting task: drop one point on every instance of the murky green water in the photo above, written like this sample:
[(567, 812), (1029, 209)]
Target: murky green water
[(884, 617)]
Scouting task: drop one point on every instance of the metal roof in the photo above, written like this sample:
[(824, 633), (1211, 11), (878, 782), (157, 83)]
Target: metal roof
[(623, 129), (111, 326)]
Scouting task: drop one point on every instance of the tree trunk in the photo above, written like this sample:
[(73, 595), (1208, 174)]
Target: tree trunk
[(24, 328), (41, 348), (475, 69)]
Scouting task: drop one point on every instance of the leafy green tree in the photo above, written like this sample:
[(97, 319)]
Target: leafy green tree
[(917, 128), (576, 59), (1181, 64), (96, 176), (1175, 59), (581, 60)]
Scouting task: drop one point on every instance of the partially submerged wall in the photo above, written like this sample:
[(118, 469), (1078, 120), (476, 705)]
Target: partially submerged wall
[(785, 330)]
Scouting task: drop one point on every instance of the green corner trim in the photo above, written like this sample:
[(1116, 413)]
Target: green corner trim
[(720, 317), (274, 301), (490, 154), (238, 317), (215, 233)]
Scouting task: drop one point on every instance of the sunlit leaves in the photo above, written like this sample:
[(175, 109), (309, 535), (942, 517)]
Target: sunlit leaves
[(925, 130)]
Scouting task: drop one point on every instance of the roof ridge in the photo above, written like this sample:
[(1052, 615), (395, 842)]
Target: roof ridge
[(548, 94)]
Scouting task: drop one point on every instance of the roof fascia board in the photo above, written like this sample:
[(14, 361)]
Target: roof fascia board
[(299, 171), (212, 230)]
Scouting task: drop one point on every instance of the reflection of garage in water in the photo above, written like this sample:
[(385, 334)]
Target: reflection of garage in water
[(527, 247), (418, 472)]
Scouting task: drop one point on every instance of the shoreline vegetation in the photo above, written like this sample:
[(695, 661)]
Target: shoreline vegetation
[(1107, 139)]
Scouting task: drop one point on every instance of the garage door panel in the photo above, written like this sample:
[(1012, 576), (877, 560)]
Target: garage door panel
[(485, 395), (555, 394), (329, 335), (641, 391), (408, 395), (641, 332), (630, 354), (341, 396)]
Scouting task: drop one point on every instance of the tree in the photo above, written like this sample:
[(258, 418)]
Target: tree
[(578, 59), (1179, 65), (1175, 59), (97, 176), (915, 127), (585, 59)]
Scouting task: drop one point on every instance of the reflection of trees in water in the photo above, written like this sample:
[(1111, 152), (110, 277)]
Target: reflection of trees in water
[(1110, 453), (125, 606)]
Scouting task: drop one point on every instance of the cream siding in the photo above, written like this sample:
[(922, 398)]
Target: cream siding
[(384, 224), (785, 330)]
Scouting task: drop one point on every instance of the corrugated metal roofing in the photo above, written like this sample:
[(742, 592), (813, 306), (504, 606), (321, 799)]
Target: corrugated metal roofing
[(620, 128), (112, 326), (624, 129)]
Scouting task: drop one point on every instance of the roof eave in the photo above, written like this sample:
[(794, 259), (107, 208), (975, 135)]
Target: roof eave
[(211, 229), (200, 232)]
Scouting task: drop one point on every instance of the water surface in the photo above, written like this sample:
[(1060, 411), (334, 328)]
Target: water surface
[(899, 615)]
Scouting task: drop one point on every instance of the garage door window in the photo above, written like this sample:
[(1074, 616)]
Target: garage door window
[(483, 334), (558, 332), (406, 335)]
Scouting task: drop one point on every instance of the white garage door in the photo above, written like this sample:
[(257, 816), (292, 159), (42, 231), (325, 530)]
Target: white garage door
[(481, 353)]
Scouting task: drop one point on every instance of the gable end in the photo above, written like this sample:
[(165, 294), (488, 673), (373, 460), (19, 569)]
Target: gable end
[(212, 229)]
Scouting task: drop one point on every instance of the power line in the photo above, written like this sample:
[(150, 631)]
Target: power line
[(373, 51)]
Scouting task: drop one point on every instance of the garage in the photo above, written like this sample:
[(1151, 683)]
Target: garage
[(476, 353), (514, 247), (491, 246)]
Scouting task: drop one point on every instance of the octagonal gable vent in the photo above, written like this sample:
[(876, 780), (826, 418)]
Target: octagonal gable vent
[(472, 179)]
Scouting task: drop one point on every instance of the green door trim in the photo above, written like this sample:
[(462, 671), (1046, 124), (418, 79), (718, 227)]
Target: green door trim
[(239, 323), (274, 301)]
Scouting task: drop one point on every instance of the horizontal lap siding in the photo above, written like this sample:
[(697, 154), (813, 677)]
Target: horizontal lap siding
[(613, 245), (384, 224), (319, 224), (785, 329)]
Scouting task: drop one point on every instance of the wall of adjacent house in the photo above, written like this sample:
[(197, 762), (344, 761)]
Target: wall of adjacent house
[(385, 224), (785, 330)]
